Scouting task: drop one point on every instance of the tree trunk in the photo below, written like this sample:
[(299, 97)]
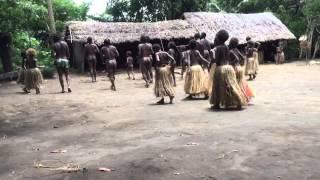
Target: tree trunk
[(51, 17), (5, 51)]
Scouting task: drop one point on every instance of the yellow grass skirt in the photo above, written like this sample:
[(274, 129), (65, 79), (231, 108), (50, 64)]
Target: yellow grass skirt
[(163, 84), (225, 88), (196, 81), (251, 66), (33, 79), (239, 73)]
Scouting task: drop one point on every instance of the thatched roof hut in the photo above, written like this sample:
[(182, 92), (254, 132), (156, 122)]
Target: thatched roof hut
[(120, 32), (260, 26)]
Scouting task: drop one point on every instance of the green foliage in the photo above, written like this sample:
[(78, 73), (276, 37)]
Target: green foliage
[(27, 21), (21, 15), (22, 41), (149, 10), (66, 10), (312, 8)]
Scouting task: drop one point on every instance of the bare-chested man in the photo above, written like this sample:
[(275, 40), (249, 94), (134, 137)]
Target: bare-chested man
[(109, 53), (91, 50), (61, 55), (145, 55)]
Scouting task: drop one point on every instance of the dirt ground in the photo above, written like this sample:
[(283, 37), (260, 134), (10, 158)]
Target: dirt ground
[(276, 137)]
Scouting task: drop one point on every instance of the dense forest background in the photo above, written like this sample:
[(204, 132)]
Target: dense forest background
[(25, 23)]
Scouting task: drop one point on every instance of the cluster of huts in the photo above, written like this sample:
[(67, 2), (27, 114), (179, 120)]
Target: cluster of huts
[(262, 27)]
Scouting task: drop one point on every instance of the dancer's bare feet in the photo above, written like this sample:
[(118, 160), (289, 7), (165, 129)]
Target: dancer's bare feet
[(171, 99), (161, 101)]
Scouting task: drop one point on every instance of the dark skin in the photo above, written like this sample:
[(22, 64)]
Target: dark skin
[(249, 53), (145, 53), (61, 51), (130, 66), (109, 54), (163, 59), (172, 53), (206, 48), (91, 50), (222, 58), (184, 61), (200, 48), (196, 59)]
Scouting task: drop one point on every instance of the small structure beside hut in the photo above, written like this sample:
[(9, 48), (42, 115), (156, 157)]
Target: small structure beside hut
[(262, 27)]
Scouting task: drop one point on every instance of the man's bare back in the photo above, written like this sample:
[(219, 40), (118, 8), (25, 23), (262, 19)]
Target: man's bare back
[(61, 50), (91, 50), (109, 52), (145, 50)]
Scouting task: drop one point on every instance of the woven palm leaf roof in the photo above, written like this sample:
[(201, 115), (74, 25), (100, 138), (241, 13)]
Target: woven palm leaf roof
[(259, 26), (119, 32)]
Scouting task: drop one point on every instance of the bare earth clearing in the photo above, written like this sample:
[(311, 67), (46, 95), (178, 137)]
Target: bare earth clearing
[(277, 137)]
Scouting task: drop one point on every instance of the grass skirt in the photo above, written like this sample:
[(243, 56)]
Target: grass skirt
[(250, 66), (226, 90), (248, 92), (21, 76), (196, 81), (211, 76), (163, 84), (279, 57), (33, 79), (256, 62)]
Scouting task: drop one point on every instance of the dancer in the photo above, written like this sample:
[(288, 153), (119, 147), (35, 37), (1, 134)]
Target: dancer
[(225, 89), (33, 77), (145, 55), (250, 63), (61, 55), (91, 50), (130, 65), (256, 58), (279, 57), (109, 53), (173, 51), (196, 81), (236, 58), (163, 81)]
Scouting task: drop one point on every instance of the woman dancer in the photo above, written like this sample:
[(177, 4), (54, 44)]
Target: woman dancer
[(33, 77), (163, 83), (196, 81), (225, 88)]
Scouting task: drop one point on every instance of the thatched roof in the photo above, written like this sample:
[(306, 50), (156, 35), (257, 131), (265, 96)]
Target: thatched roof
[(260, 26), (119, 32)]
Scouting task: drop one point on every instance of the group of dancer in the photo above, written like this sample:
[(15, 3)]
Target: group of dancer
[(212, 70)]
